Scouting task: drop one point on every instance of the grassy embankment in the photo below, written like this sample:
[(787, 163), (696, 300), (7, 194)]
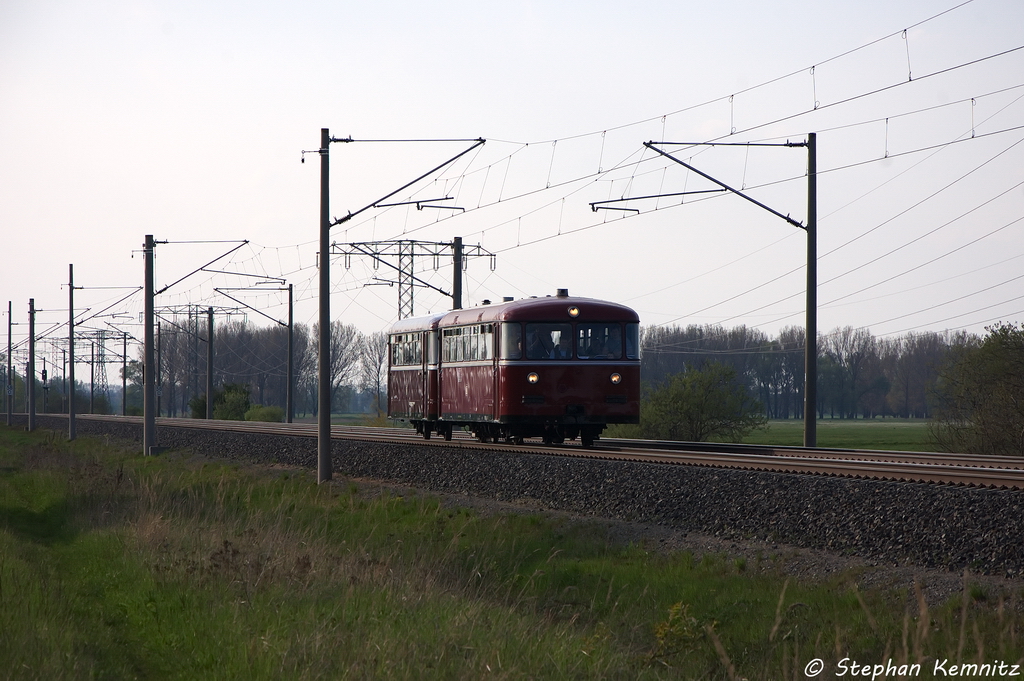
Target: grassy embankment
[(116, 566)]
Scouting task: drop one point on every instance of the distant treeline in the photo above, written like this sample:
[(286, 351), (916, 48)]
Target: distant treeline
[(245, 354), (859, 375)]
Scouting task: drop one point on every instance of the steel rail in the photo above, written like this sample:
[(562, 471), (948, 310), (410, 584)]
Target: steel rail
[(938, 468), (947, 458)]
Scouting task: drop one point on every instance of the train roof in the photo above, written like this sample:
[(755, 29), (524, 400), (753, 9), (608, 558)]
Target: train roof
[(416, 323), (547, 309)]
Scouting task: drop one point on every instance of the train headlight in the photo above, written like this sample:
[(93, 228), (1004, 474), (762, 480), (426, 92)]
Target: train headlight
[(616, 378), (532, 378), (574, 311)]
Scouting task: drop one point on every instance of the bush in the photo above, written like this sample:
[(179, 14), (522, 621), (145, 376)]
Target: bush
[(980, 392), (197, 405), (234, 404), (699, 405), (260, 413), (229, 404)]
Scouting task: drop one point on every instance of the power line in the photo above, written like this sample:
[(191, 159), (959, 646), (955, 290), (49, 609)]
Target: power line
[(908, 271)]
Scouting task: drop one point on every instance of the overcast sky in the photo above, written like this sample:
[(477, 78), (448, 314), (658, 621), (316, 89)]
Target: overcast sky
[(186, 120)]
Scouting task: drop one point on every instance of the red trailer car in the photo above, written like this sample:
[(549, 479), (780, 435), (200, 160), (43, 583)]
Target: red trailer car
[(555, 367)]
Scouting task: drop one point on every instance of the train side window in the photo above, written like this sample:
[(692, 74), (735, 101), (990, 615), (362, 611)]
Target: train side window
[(451, 345), (406, 349), (467, 343), (633, 341), (511, 341), (482, 342), (487, 341)]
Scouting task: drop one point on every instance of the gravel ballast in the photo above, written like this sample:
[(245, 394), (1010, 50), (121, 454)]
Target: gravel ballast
[(933, 526)]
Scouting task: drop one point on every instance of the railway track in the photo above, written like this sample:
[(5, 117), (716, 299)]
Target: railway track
[(939, 468)]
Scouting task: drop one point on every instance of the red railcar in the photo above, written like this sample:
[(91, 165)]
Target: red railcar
[(554, 367), (412, 370)]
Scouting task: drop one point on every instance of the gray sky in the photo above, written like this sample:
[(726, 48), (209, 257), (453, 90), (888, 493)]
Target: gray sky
[(187, 120)]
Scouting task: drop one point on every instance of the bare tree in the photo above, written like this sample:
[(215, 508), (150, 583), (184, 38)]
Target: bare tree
[(345, 354), (911, 364), (853, 352), (374, 367)]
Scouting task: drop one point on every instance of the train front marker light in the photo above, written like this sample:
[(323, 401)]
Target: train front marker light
[(532, 378), (574, 311), (616, 378)]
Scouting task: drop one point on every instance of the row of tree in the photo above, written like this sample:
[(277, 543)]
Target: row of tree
[(972, 386), (243, 355), (257, 357), (52, 396), (859, 375)]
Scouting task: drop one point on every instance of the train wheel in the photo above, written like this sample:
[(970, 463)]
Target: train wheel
[(587, 438), (447, 433), (426, 431)]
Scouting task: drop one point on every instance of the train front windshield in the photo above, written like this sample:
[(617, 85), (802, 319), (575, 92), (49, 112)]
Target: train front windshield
[(599, 341), (552, 340), (549, 341)]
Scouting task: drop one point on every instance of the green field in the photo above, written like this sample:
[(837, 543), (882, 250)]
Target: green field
[(910, 435), (115, 566)]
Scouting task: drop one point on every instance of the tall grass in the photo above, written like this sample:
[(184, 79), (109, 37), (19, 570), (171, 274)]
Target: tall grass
[(115, 566)]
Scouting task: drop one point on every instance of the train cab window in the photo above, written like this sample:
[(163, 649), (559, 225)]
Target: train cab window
[(548, 341), (599, 341), (633, 341), (511, 341)]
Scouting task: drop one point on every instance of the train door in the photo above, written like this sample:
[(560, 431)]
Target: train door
[(494, 339), (430, 376)]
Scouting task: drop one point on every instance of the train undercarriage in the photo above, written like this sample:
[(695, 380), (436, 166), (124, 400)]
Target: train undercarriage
[(514, 433)]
